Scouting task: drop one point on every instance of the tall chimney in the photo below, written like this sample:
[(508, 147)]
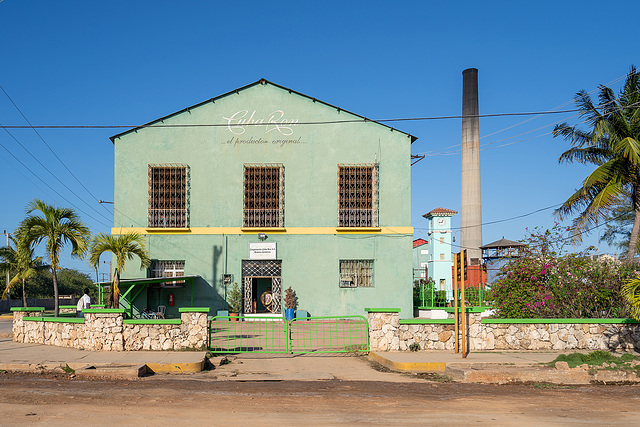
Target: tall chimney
[(471, 207)]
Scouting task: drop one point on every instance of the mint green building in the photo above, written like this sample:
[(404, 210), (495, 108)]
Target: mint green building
[(268, 189)]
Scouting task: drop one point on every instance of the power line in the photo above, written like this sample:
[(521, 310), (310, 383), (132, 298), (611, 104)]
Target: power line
[(51, 173), (47, 145), (326, 122), (499, 220), (51, 188), (437, 152)]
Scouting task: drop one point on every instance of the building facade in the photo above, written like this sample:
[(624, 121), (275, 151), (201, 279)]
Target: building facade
[(420, 259), (268, 188), (440, 258)]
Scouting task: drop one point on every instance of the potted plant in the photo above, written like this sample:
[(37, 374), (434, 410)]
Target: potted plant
[(289, 303), (234, 300)]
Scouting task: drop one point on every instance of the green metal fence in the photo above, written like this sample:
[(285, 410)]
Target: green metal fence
[(429, 297), (330, 334), (248, 334)]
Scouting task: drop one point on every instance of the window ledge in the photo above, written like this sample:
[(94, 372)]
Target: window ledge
[(168, 230), (367, 229), (259, 229)]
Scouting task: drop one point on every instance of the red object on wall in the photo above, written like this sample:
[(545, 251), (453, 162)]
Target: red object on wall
[(170, 300)]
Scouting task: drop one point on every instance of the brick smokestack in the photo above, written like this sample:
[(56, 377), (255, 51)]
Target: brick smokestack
[(471, 207)]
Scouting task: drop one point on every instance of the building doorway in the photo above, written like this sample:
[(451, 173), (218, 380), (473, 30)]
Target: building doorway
[(261, 286)]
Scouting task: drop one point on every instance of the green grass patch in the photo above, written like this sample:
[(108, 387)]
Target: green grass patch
[(600, 359)]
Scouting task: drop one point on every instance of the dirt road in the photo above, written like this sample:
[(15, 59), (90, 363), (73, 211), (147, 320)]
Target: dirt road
[(167, 400)]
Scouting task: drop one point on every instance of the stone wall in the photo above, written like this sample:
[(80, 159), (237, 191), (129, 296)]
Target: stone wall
[(388, 333), (109, 332), (190, 334), (47, 303)]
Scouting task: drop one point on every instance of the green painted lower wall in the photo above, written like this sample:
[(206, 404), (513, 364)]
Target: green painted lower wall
[(310, 265)]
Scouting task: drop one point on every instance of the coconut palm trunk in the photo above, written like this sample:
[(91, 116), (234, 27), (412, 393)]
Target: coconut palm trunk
[(633, 239), (56, 294), (24, 293), (114, 295)]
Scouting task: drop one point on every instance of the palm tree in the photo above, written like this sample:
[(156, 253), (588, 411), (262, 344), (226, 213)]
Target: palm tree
[(613, 146), (22, 263), (8, 264), (57, 227), (631, 292), (28, 267), (125, 247)]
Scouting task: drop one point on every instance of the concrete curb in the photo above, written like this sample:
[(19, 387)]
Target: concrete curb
[(409, 366), (108, 369), (176, 368)]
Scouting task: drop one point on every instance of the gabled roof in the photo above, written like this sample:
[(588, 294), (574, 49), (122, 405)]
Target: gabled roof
[(502, 243), (439, 212), (236, 91), (419, 242)]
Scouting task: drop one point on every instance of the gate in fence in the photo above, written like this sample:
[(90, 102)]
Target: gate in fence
[(330, 334)]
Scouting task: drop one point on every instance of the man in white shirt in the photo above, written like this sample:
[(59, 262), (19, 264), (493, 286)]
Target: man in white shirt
[(83, 302)]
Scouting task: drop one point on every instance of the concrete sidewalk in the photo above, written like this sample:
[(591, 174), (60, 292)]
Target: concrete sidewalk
[(438, 361)]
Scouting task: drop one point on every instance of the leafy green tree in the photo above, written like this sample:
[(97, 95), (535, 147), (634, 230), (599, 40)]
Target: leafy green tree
[(70, 282), (56, 227), (612, 144), (125, 247)]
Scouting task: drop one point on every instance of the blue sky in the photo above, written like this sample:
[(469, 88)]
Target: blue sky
[(124, 62)]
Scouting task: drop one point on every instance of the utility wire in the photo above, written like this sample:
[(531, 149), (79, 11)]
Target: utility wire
[(440, 151), (327, 122), (49, 147), (499, 220), (51, 188), (51, 173)]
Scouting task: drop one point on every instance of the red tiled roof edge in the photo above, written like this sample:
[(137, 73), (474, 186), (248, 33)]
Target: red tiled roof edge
[(419, 242)]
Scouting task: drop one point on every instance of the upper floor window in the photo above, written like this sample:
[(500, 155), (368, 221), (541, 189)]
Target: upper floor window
[(263, 195), (358, 195), (168, 196)]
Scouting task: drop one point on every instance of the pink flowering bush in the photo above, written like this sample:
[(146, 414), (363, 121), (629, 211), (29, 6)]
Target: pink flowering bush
[(545, 283)]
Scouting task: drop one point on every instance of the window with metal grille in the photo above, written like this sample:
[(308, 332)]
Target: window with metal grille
[(168, 269), (168, 196), (358, 195), (356, 273), (263, 195)]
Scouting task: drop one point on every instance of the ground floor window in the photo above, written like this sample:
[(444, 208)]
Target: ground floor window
[(356, 273), (168, 269)]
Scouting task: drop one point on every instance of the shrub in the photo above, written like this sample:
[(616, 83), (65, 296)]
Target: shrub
[(545, 283)]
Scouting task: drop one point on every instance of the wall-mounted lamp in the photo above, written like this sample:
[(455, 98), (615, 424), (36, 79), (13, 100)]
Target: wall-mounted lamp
[(262, 236)]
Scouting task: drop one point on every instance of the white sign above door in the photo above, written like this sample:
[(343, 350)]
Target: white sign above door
[(262, 250)]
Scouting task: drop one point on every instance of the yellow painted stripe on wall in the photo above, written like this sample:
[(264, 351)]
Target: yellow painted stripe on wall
[(241, 231)]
